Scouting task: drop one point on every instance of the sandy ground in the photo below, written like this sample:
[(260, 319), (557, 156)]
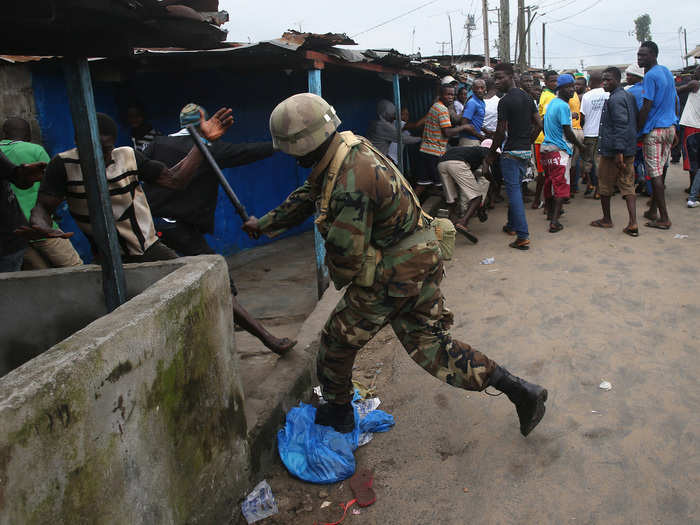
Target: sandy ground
[(581, 306)]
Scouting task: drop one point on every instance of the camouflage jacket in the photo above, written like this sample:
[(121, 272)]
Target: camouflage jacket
[(368, 206)]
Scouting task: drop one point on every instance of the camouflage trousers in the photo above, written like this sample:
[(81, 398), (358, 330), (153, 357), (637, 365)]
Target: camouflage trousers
[(422, 325)]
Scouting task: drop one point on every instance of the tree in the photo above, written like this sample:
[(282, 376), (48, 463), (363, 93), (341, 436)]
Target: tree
[(642, 28)]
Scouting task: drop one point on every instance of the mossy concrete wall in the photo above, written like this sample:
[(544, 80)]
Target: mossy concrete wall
[(138, 418)]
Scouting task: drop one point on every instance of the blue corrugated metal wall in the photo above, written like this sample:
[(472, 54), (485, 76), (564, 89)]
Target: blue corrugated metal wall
[(252, 96)]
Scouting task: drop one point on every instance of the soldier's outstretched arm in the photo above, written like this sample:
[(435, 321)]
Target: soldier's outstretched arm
[(349, 235), (296, 208)]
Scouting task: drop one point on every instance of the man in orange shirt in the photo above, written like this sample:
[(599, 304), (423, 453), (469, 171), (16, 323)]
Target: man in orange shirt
[(438, 128), (575, 107)]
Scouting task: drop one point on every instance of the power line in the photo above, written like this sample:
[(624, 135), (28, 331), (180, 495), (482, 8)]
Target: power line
[(575, 14), (587, 43), (395, 18)]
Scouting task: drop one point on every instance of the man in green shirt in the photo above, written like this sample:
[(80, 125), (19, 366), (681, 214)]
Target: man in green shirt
[(17, 146)]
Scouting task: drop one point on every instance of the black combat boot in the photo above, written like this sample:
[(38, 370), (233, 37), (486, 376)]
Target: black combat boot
[(340, 417), (528, 398)]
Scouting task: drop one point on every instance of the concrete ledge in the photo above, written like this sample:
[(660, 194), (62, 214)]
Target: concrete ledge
[(288, 382), (137, 418)]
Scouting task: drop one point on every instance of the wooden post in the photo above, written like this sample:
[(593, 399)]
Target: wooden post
[(322, 277), (485, 17), (397, 104), (544, 66), (87, 137)]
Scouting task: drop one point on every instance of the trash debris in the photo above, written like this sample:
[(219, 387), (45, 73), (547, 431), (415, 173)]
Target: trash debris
[(356, 512), (325, 504), (361, 486), (322, 494), (680, 236), (319, 454), (259, 504), (364, 391), (466, 490), (605, 385), (488, 260)]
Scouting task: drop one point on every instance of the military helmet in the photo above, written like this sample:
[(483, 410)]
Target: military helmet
[(301, 123)]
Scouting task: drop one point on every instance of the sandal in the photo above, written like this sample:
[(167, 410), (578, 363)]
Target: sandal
[(649, 216), (520, 244), (361, 486), (600, 224), (632, 232), (507, 230), (555, 227), (658, 225), (464, 231)]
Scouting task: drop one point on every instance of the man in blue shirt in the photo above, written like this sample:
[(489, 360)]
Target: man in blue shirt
[(657, 120), (556, 151), (473, 116)]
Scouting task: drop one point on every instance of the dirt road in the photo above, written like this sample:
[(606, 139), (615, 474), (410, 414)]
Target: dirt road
[(581, 306)]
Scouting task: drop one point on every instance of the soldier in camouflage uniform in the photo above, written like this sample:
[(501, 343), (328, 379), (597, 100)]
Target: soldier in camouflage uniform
[(371, 206)]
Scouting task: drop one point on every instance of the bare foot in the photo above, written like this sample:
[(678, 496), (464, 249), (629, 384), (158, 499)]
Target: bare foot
[(280, 346)]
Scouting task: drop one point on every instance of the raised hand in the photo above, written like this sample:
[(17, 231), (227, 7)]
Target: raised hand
[(217, 125)]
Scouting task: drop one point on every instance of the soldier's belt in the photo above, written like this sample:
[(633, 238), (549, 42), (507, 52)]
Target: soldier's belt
[(422, 236)]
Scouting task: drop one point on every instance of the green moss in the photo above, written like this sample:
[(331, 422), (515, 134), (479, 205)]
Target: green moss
[(188, 392)]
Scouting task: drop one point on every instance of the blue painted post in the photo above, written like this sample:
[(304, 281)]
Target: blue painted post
[(397, 103), (322, 278), (87, 137)]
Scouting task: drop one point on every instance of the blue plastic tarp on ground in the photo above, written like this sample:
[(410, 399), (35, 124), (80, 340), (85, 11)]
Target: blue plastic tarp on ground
[(319, 454)]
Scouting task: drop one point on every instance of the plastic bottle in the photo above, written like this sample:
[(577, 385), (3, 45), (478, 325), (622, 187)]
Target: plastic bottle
[(259, 504)]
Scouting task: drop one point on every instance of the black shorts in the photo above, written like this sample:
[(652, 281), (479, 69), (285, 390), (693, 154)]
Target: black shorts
[(429, 173)]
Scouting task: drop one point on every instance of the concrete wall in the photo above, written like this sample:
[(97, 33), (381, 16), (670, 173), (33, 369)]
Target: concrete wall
[(138, 418), (17, 96), (60, 302)]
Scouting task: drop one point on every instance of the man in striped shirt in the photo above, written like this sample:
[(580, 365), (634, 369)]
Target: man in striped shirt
[(438, 129)]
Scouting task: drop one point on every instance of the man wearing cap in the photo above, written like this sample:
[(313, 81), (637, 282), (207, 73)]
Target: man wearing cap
[(548, 94), (556, 151), (617, 145), (183, 216), (382, 246)]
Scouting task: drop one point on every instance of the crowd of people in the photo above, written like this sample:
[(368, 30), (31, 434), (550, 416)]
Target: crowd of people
[(501, 132), (608, 135)]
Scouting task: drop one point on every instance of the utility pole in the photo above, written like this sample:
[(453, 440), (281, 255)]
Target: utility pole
[(485, 16), (685, 38), (500, 40), (521, 34), (543, 48), (452, 46), (470, 26), (505, 30), (413, 39), (530, 18), (443, 44)]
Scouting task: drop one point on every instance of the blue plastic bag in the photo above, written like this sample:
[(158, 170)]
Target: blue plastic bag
[(319, 454)]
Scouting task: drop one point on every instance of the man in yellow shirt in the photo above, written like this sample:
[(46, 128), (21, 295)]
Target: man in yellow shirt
[(548, 94), (575, 107)]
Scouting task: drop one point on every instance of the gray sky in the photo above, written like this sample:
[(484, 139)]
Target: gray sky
[(597, 35)]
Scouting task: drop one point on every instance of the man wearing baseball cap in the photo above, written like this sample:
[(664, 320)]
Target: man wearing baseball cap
[(556, 151)]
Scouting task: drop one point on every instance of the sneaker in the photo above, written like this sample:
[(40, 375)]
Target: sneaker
[(693, 204)]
